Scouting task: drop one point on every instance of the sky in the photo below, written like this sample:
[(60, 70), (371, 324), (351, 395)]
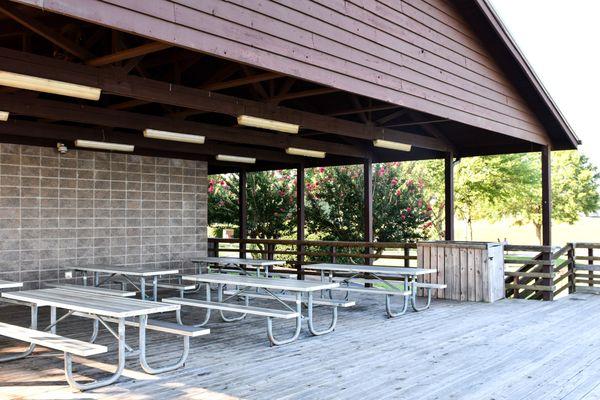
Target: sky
[(561, 40)]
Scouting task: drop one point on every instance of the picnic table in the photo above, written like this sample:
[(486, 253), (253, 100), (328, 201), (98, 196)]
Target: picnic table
[(369, 274), (246, 286), (103, 309), (128, 273), (10, 284)]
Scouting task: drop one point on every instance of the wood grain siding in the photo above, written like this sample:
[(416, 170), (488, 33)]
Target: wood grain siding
[(419, 54)]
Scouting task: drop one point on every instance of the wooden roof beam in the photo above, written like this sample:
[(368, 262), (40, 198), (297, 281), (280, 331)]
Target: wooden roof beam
[(127, 54), (301, 94), (71, 133), (241, 81), (57, 110), (198, 99), (44, 31)]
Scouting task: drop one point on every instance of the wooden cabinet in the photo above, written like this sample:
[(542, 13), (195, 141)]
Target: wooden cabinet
[(472, 271)]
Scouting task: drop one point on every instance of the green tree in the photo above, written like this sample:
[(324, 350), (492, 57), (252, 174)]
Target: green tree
[(334, 204), (271, 203)]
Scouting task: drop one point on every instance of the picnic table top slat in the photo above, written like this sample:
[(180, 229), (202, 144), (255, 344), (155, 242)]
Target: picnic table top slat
[(238, 261), (131, 270), (264, 283), (382, 270), (99, 304), (10, 284)]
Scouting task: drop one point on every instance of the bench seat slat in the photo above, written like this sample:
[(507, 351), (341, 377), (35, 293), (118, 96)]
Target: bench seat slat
[(288, 298), (158, 325), (176, 286), (430, 285), (51, 340), (243, 309)]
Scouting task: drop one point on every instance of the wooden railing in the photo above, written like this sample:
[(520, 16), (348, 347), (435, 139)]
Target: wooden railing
[(531, 272)]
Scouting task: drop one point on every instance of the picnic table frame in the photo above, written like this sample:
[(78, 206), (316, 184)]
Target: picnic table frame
[(246, 283), (10, 284), (100, 307), (380, 274), (141, 272)]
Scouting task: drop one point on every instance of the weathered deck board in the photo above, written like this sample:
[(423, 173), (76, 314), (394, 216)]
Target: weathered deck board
[(512, 349)]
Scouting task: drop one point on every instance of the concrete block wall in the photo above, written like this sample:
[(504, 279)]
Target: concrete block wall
[(84, 207)]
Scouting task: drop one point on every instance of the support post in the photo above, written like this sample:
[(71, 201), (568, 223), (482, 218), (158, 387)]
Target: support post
[(243, 221), (300, 219), (547, 213), (368, 204), (449, 196), (546, 196)]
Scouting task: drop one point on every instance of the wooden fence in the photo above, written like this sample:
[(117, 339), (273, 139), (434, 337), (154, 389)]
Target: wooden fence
[(531, 272)]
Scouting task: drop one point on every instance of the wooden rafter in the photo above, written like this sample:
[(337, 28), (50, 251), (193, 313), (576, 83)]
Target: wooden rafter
[(250, 79), (350, 111), (44, 31), (390, 117), (303, 93), (198, 99), (127, 54)]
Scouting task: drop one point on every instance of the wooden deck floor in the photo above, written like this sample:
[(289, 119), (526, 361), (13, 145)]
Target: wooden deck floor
[(514, 349)]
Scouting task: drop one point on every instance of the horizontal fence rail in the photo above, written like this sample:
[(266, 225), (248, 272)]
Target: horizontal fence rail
[(531, 272)]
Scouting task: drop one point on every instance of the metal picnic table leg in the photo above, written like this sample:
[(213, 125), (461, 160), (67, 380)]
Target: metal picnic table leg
[(31, 348), (413, 297), (96, 278), (275, 342), (155, 287), (207, 316), (144, 362), (99, 383), (311, 326), (388, 302), (220, 299), (143, 288), (53, 320)]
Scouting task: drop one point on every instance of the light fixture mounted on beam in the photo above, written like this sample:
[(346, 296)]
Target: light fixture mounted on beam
[(306, 153), (236, 159), (255, 122), (4, 115), (388, 144), (92, 144), (29, 82), (174, 136)]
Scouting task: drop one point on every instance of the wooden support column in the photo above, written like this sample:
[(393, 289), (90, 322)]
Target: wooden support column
[(449, 196), (300, 218), (546, 197), (547, 216), (243, 221), (368, 204)]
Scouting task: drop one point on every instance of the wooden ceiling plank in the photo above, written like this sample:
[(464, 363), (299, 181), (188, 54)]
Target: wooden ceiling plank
[(127, 54), (44, 31)]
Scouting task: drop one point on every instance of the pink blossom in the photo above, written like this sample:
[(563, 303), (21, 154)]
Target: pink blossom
[(408, 209), (381, 171), (394, 182), (321, 169), (221, 203), (211, 189), (403, 217)]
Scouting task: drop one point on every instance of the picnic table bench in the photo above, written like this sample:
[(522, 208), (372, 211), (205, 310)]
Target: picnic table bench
[(269, 286), (358, 276), (103, 308)]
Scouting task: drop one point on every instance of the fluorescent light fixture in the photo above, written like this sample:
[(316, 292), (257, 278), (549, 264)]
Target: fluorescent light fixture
[(175, 136), (245, 160), (256, 122), (388, 144), (303, 152), (92, 144), (29, 82), (4, 115)]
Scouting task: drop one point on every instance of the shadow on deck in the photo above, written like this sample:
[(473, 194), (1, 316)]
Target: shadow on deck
[(513, 349)]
